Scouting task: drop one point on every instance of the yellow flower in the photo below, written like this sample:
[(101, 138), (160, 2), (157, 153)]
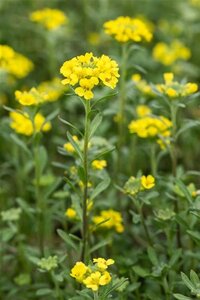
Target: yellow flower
[(22, 123), (14, 63), (152, 127), (148, 182), (70, 213), (51, 90), (32, 97), (99, 164), (69, 147), (50, 18), (174, 89), (142, 85), (87, 71), (93, 276), (94, 38), (96, 279), (168, 54), (125, 29), (78, 271), (109, 219), (143, 111), (102, 263)]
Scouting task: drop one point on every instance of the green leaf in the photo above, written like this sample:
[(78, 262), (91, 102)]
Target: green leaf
[(184, 190), (181, 297), (67, 239), (52, 115), (189, 124), (99, 245), (41, 159), (75, 145), (194, 278), (95, 124), (20, 143), (100, 188), (70, 124), (152, 256), (195, 235), (187, 281), (140, 271), (43, 292), (175, 257)]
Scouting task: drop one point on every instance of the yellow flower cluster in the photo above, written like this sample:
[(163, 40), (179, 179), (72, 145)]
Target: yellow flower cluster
[(27, 98), (22, 123), (50, 18), (174, 89), (109, 219), (48, 91), (168, 54), (51, 90), (125, 29), (142, 85), (143, 110), (153, 126), (87, 71), (136, 185), (14, 63), (93, 276), (99, 164)]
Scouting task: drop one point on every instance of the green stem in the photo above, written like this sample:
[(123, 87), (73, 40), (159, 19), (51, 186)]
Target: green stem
[(57, 286), (139, 208), (174, 164), (153, 160), (85, 190), (40, 206), (122, 106), (96, 296)]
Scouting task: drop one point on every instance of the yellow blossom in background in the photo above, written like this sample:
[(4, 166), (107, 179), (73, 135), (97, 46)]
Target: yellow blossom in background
[(51, 90), (87, 71), (93, 276), (102, 263), (94, 38), (27, 98), (142, 85), (125, 29), (148, 182), (109, 219), (151, 126), (69, 147), (78, 271), (168, 54), (174, 89), (99, 164), (14, 63), (22, 123), (143, 111), (70, 213), (50, 18)]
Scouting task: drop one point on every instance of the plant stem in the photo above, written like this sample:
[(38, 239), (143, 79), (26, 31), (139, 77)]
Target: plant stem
[(174, 165), (40, 208), (122, 106), (85, 190), (57, 287), (141, 213), (96, 296), (153, 160)]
